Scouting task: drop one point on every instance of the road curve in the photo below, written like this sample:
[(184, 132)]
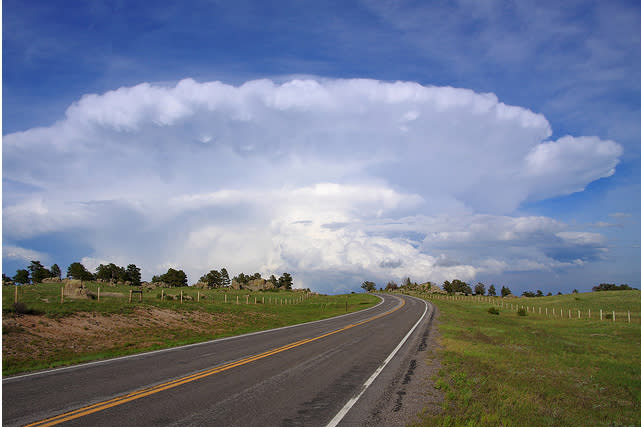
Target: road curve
[(296, 376)]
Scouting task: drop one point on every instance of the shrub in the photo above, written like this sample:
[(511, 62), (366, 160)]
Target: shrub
[(20, 309), (522, 312), (608, 316), (493, 311)]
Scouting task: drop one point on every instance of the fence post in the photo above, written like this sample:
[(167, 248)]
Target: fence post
[(254, 300), (198, 296), (98, 293), (579, 313), (247, 299), (601, 314), (614, 316), (15, 299), (181, 297), (62, 295), (130, 293), (628, 317), (263, 300), (225, 298), (236, 299)]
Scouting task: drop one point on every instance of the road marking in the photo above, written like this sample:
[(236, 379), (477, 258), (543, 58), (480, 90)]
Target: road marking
[(87, 410), (350, 403), (175, 348)]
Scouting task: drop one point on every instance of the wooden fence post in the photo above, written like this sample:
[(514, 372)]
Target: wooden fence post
[(130, 293), (181, 297), (628, 317), (198, 296), (601, 314), (162, 294), (225, 298), (98, 293), (15, 299), (247, 299), (62, 295), (614, 316)]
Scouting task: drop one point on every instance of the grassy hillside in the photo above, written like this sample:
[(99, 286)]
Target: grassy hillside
[(46, 333), (514, 370)]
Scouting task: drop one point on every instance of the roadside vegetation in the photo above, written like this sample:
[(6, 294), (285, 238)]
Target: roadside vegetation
[(41, 332), (504, 364)]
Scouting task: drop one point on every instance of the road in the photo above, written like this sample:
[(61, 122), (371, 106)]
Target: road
[(295, 376)]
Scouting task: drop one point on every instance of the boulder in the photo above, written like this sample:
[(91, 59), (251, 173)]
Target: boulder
[(253, 285), (75, 289), (201, 284)]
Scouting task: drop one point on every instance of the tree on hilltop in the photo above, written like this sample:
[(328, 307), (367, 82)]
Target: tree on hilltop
[(133, 275), (173, 278), (21, 276), (55, 271), (285, 281), (38, 272), (77, 271), (479, 289), (368, 286)]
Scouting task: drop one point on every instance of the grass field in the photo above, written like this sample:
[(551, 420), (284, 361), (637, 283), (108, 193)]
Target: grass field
[(47, 333), (533, 370)]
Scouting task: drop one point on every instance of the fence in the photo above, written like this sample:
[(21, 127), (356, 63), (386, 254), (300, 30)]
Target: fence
[(182, 296), (548, 311)]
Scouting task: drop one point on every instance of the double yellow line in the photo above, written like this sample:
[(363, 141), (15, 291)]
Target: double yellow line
[(103, 405)]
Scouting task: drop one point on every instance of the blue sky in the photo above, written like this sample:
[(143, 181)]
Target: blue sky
[(343, 141)]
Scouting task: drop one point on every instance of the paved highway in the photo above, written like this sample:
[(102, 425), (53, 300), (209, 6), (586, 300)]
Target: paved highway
[(334, 371)]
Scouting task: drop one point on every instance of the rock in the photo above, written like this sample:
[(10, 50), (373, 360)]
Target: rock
[(75, 289), (201, 284), (253, 285), (53, 279)]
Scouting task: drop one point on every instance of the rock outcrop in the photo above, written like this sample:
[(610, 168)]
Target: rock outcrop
[(253, 285)]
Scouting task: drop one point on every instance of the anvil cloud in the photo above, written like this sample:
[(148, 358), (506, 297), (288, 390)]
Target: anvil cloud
[(318, 177)]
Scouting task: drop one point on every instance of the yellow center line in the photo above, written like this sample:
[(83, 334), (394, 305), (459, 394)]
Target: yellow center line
[(103, 405)]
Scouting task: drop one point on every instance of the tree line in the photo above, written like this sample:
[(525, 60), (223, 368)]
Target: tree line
[(35, 273), (458, 286)]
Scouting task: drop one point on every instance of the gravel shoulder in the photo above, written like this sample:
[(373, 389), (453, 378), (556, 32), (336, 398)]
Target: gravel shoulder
[(411, 392)]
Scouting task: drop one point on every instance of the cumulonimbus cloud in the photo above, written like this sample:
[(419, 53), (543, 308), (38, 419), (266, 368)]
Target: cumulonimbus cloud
[(306, 175)]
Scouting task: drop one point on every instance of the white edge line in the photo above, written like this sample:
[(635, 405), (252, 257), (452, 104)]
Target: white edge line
[(347, 407), (191, 345)]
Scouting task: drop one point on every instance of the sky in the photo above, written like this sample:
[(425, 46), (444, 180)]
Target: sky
[(493, 142)]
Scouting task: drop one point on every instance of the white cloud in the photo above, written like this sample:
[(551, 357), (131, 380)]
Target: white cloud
[(360, 176), (25, 254)]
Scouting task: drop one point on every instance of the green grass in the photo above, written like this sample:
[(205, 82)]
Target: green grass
[(227, 319), (531, 370)]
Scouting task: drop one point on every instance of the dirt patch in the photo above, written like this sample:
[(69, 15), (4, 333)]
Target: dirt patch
[(37, 338)]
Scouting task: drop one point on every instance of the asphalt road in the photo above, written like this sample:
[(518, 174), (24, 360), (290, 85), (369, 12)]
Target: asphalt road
[(296, 376)]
